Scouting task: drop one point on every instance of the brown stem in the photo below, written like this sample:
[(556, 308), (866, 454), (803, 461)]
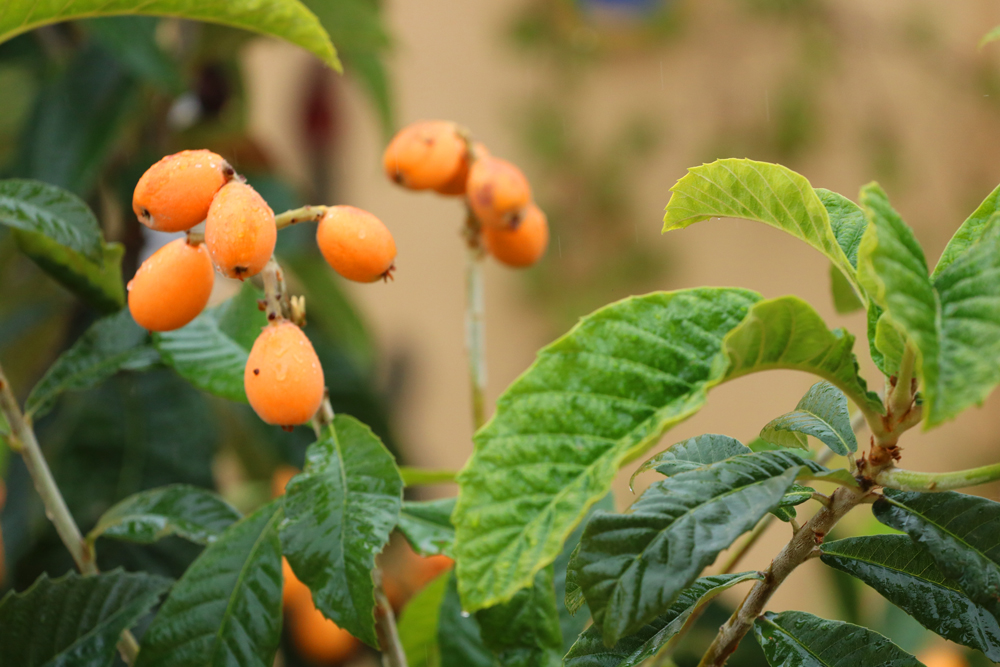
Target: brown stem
[(385, 625), (475, 321)]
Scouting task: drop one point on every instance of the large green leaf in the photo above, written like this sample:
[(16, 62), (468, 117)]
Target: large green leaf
[(787, 333), (821, 413), (798, 639), (763, 192), (286, 19), (132, 40), (961, 532), (341, 510), (459, 637), (953, 323), (211, 352), (61, 216), (97, 283), (525, 631), (179, 509), (74, 621), (655, 636), (633, 566), (847, 221), (111, 344), (226, 609), (427, 526), (602, 395), (595, 398), (971, 231), (418, 624), (905, 574)]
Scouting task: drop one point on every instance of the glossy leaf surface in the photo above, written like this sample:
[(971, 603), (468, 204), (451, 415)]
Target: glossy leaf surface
[(195, 514), (798, 639), (341, 509), (821, 413), (426, 525), (74, 620), (226, 609), (906, 575), (98, 283), (59, 215)]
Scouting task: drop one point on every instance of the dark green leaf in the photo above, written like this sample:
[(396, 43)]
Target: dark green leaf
[(459, 637), (569, 597), (971, 231), (211, 352), (692, 454), (427, 526), (821, 413), (656, 636), (97, 283), (226, 609), (341, 509), (768, 193), (633, 566), (59, 215), (132, 39), (798, 639), (961, 533), (74, 621), (525, 631), (187, 511), (595, 398), (111, 344), (418, 624), (286, 19), (906, 575)]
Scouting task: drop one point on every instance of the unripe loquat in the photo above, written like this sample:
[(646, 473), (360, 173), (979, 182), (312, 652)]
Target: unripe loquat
[(426, 155), (240, 231), (356, 244), (497, 191), (171, 287), (175, 193), (522, 245), (283, 379)]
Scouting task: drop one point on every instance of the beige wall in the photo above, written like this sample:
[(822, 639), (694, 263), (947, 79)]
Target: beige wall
[(452, 62)]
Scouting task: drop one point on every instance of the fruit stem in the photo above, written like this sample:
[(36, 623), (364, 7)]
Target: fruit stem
[(475, 321), (296, 215), (22, 440), (274, 291)]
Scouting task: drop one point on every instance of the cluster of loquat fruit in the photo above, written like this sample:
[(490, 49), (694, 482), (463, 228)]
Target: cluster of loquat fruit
[(439, 155)]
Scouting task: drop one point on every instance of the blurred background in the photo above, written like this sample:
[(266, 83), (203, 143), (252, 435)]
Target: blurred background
[(603, 103)]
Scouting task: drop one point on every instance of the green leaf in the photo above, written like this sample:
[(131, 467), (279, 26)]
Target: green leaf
[(692, 454), (59, 215), (211, 352), (595, 398), (74, 621), (341, 509), (847, 221), (961, 533), (633, 566), (423, 477), (286, 19), (226, 609), (787, 333), (891, 345), (798, 639), (111, 344), (970, 232), (905, 574), (99, 284), (179, 509), (459, 638), (418, 624), (427, 526), (821, 413), (654, 637), (845, 299), (991, 36), (763, 192), (525, 631), (132, 40)]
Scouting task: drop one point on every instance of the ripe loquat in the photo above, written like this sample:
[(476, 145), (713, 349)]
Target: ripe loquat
[(294, 594), (239, 231), (175, 193), (426, 155), (283, 379), (522, 245), (497, 191), (171, 287), (319, 639), (356, 244)]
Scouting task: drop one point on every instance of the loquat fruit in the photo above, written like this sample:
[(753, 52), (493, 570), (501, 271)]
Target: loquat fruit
[(522, 245), (283, 379), (175, 193), (280, 478), (356, 244), (295, 594), (497, 191), (319, 639), (171, 287), (240, 231), (426, 155)]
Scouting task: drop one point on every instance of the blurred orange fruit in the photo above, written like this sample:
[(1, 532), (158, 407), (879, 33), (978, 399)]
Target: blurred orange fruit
[(319, 639)]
